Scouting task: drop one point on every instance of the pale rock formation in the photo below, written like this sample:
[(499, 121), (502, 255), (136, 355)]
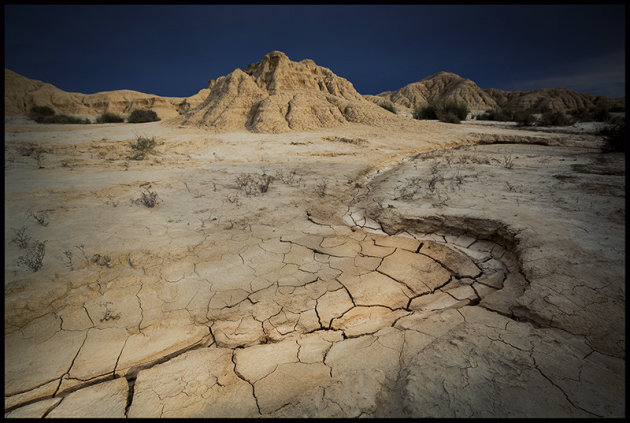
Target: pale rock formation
[(447, 86), (22, 93), (279, 95)]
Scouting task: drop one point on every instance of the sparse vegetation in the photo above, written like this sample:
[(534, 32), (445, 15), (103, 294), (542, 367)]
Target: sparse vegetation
[(594, 114), (65, 119), (320, 187), (140, 116), (40, 111), (101, 260), (34, 257), (501, 114), (109, 315), (28, 150), (447, 117), (253, 183), (142, 147), (288, 178), (434, 188), (425, 112), (44, 114), (111, 202), (233, 198), (68, 255), (470, 158), (109, 117), (40, 217), (614, 137), (37, 113), (21, 238), (81, 248), (448, 111), (550, 118), (39, 157), (148, 198), (440, 199), (357, 141), (507, 161), (410, 189), (506, 114), (388, 106), (524, 118)]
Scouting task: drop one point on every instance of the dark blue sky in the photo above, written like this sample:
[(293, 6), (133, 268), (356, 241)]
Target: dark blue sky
[(174, 50)]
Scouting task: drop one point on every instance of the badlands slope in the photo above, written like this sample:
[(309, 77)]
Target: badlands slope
[(402, 269), (278, 95), (22, 93), (445, 86)]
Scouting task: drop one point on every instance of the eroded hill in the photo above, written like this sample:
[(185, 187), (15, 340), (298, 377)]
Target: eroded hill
[(445, 86), (278, 95), (22, 93)]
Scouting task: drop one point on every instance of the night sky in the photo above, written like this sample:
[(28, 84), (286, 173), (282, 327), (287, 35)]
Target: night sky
[(173, 50)]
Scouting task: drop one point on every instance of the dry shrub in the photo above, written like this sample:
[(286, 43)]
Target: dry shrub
[(148, 199), (34, 257), (254, 184), (21, 238)]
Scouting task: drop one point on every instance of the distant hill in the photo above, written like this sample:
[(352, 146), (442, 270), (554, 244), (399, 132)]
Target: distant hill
[(449, 86), (22, 93)]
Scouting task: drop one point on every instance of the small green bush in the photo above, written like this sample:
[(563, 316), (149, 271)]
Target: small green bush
[(554, 119), (449, 111), (601, 115), (64, 119), (388, 106), (39, 112), (45, 114), (447, 117), (581, 115), (501, 114), (425, 112), (109, 117), (458, 109), (140, 116), (524, 118), (614, 137), (594, 114)]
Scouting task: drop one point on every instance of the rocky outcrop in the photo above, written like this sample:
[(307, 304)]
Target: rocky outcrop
[(442, 86), (445, 86), (560, 99), (278, 95), (22, 93)]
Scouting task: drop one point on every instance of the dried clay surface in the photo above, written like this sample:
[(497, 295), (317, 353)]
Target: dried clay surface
[(360, 271)]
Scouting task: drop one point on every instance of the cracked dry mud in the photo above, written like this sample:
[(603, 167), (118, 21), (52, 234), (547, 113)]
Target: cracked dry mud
[(412, 274)]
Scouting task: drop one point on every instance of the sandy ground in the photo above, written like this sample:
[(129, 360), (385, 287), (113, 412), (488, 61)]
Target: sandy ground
[(449, 270)]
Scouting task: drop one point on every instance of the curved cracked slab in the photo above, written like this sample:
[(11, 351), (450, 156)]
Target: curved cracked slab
[(224, 313)]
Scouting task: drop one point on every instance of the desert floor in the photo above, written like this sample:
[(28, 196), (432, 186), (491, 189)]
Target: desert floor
[(441, 270)]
